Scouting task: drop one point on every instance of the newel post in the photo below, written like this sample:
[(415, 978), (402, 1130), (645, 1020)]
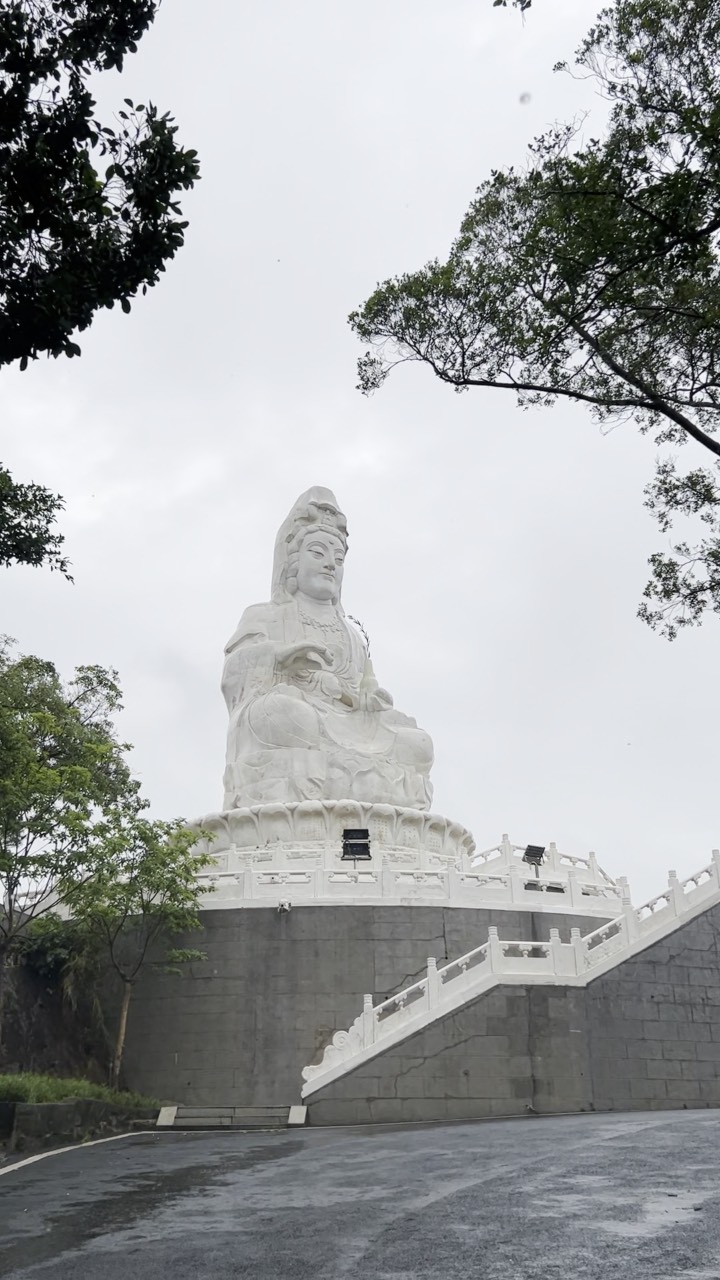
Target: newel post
[(368, 1021), (631, 920), (494, 951), (576, 893), (516, 883), (576, 943), (433, 983), (557, 955), (677, 897), (506, 849)]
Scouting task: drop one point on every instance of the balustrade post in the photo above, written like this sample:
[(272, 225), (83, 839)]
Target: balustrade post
[(576, 943), (716, 866), (516, 883), (506, 849), (593, 866), (677, 897), (552, 860), (432, 988), (557, 954), (368, 1022), (576, 894), (631, 921), (494, 952)]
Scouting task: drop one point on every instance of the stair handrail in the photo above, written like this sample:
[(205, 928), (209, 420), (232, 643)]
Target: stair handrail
[(573, 960)]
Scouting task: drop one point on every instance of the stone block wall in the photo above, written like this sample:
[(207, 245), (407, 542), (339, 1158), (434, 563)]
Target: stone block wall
[(239, 1028), (646, 1035), (654, 1023)]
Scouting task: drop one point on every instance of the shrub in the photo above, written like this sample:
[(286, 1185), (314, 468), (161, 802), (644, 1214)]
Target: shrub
[(26, 1087)]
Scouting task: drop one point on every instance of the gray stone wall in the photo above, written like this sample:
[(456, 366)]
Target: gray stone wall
[(644, 1036), (239, 1028), (654, 1023)]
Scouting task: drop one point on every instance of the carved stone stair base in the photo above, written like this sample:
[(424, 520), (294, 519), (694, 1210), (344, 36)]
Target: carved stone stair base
[(231, 1118)]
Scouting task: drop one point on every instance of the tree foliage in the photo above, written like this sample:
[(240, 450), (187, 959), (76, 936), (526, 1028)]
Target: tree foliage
[(62, 772), (89, 212), (146, 892), (74, 838), (27, 512), (593, 274)]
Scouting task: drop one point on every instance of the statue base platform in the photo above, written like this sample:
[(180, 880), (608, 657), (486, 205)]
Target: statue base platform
[(285, 856)]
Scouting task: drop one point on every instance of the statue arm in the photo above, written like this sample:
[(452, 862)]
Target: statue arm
[(370, 686), (254, 661), (249, 668)]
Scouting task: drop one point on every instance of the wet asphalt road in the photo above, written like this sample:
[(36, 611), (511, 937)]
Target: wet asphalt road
[(622, 1197)]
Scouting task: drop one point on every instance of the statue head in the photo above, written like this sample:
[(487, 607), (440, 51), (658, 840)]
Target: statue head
[(310, 549)]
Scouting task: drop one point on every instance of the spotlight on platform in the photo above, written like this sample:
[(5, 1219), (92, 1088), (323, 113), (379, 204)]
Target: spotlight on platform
[(356, 845), (534, 855)]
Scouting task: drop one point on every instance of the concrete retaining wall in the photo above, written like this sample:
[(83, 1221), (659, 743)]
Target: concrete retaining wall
[(238, 1029), (644, 1036), (44, 1124)]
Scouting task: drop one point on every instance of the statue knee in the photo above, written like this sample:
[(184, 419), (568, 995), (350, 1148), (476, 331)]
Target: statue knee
[(282, 719)]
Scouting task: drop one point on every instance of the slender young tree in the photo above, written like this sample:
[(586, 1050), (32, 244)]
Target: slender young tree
[(147, 893), (593, 274), (62, 771)]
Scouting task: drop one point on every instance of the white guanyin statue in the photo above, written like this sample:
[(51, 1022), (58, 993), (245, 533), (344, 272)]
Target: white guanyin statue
[(308, 720)]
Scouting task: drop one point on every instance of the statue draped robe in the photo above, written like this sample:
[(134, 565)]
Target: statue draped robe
[(325, 734)]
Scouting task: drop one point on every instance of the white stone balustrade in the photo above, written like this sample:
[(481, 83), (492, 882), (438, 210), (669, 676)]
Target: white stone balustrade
[(499, 962), (293, 852)]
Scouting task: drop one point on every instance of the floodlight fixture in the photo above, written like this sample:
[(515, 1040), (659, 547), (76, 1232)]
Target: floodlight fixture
[(356, 845), (534, 855)]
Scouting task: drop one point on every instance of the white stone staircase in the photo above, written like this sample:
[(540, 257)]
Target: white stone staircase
[(502, 963)]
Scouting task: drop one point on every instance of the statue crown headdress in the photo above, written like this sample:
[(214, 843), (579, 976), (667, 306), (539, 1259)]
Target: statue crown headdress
[(315, 510)]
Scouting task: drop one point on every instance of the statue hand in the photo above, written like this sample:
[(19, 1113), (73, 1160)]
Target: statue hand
[(375, 699), (300, 655)]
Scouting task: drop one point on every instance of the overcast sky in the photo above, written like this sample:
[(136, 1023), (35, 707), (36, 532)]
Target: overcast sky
[(496, 556)]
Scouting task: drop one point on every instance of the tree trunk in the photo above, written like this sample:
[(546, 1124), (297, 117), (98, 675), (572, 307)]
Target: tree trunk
[(120, 1041), (5, 982), (2, 996)]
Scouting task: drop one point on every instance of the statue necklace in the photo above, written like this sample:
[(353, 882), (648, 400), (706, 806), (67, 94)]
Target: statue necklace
[(335, 627)]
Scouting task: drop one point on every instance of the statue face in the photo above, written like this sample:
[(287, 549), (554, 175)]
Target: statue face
[(321, 560)]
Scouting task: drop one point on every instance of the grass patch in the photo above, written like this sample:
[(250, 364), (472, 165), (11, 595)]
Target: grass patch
[(27, 1087)]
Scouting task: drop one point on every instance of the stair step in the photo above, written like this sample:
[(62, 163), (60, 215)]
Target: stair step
[(231, 1117), (245, 1113)]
